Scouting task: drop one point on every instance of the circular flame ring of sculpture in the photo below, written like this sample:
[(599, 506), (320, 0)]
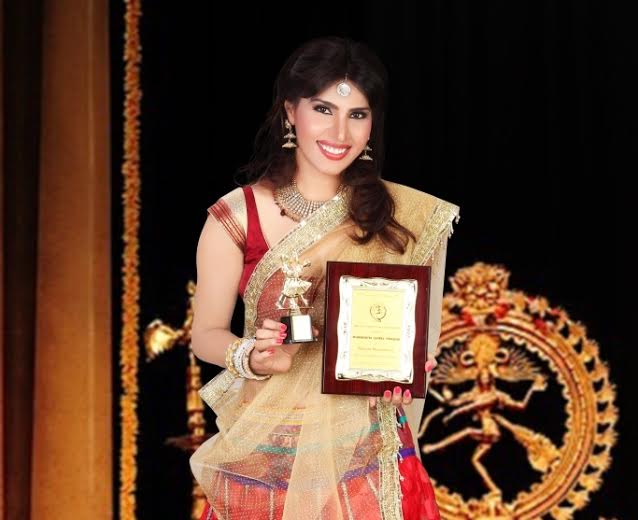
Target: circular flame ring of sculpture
[(481, 303)]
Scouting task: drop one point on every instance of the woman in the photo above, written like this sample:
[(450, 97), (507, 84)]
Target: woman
[(284, 449)]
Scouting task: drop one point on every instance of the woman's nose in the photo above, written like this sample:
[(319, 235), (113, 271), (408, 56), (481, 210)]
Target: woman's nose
[(342, 128)]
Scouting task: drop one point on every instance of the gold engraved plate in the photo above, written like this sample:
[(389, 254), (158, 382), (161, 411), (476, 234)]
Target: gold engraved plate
[(376, 329)]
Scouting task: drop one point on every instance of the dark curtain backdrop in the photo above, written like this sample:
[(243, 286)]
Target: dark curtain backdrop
[(21, 59), (523, 113)]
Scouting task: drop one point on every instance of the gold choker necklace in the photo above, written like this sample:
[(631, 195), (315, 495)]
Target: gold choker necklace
[(292, 202)]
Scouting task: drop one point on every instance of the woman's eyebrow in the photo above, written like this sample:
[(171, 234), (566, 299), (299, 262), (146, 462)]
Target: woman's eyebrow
[(335, 107)]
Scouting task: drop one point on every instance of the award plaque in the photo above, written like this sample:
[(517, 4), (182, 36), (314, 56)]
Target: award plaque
[(376, 328), (293, 302)]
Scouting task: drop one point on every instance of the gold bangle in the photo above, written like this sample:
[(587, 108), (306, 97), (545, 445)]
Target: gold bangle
[(230, 350)]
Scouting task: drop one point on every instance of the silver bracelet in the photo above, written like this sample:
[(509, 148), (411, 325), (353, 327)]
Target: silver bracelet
[(243, 358), (238, 357)]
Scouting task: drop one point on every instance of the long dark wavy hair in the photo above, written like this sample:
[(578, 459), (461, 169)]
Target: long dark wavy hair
[(309, 70)]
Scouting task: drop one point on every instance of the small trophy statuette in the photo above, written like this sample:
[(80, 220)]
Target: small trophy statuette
[(293, 301)]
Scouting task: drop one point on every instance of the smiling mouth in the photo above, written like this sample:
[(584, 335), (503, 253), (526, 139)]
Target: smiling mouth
[(333, 152)]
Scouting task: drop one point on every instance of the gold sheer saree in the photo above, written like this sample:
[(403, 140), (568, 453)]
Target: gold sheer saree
[(284, 449)]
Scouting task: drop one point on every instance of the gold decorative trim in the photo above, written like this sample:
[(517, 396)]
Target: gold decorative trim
[(129, 343), (389, 484), (439, 226), (216, 387), (237, 203)]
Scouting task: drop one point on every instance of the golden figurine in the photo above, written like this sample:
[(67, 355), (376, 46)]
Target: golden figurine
[(485, 357), (294, 287), (496, 338), (292, 299)]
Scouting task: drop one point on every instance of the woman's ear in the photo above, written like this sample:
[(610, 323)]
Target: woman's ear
[(290, 111)]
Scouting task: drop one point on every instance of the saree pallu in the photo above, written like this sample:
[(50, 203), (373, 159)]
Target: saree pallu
[(285, 450)]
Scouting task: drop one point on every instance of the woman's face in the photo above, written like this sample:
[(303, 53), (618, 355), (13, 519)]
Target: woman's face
[(332, 130)]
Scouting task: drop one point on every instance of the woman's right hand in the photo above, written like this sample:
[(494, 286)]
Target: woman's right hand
[(271, 355)]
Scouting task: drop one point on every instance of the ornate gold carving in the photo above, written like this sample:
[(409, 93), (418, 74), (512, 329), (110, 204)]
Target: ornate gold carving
[(160, 338), (491, 336)]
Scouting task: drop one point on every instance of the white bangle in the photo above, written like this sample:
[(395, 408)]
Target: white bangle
[(243, 357), (238, 357)]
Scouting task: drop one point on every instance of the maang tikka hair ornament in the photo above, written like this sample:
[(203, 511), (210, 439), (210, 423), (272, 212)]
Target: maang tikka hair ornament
[(343, 89), (290, 135)]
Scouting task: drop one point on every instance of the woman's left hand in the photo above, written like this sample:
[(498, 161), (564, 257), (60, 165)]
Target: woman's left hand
[(395, 397)]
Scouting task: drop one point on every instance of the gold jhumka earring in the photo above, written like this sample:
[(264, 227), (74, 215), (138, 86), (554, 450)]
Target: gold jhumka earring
[(290, 135), (365, 156)]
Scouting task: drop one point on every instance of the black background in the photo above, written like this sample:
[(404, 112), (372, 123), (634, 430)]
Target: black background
[(522, 113)]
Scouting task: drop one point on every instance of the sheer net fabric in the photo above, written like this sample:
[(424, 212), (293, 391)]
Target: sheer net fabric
[(285, 450)]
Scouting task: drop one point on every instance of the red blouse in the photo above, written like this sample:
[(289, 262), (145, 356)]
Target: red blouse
[(256, 245), (252, 242)]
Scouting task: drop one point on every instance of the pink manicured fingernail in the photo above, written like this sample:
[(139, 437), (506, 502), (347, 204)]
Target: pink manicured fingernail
[(279, 341), (397, 389), (408, 394), (387, 394), (282, 335), (283, 326)]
